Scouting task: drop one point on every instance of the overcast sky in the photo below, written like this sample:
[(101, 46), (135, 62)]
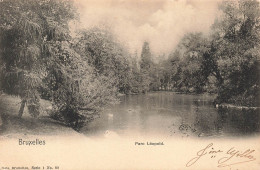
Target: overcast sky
[(160, 22)]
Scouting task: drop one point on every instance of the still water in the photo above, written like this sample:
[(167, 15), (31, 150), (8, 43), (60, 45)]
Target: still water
[(168, 114)]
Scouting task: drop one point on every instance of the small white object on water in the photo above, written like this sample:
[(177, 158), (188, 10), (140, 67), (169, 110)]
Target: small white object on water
[(110, 115), (216, 105), (110, 134)]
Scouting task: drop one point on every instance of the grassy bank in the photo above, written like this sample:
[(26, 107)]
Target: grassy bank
[(12, 125)]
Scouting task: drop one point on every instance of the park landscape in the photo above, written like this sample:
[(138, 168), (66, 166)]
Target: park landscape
[(59, 77), (131, 84)]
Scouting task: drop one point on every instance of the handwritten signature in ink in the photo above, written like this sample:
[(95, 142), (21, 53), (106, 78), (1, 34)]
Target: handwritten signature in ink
[(226, 158)]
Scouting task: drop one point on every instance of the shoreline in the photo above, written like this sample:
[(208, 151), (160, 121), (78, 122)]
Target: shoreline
[(233, 106)]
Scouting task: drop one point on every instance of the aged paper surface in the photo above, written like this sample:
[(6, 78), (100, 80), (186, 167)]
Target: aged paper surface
[(75, 152), (122, 138)]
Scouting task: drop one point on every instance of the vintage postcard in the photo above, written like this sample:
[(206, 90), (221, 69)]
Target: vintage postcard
[(129, 84)]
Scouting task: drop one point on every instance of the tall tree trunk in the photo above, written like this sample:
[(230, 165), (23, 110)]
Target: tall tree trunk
[(21, 108)]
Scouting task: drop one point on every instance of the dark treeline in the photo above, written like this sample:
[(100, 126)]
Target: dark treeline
[(80, 75)]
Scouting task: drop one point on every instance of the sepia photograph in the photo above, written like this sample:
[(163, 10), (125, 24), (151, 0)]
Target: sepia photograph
[(130, 84)]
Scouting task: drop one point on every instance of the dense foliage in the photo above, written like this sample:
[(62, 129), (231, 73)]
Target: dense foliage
[(26, 27), (237, 50), (38, 60), (108, 58), (81, 75), (226, 62)]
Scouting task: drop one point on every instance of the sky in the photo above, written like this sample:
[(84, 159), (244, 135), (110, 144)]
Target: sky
[(162, 23)]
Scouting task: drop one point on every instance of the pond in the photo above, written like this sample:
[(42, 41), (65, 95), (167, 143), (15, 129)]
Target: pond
[(169, 114)]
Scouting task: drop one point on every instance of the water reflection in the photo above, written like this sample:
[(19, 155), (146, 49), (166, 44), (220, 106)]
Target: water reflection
[(170, 114)]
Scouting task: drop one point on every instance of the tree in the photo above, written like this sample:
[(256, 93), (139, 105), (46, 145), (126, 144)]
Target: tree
[(155, 77), (135, 76), (106, 55), (26, 27), (77, 91), (175, 64), (40, 60), (236, 43), (187, 68), (145, 67)]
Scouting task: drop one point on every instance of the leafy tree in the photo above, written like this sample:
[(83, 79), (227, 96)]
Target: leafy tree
[(176, 69), (39, 60), (26, 27), (155, 72), (145, 66), (78, 92), (185, 67), (164, 72), (135, 76), (106, 55), (236, 43)]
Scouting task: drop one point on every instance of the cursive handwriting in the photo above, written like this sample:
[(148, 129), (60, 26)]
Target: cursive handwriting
[(203, 152), (232, 153), (225, 158)]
